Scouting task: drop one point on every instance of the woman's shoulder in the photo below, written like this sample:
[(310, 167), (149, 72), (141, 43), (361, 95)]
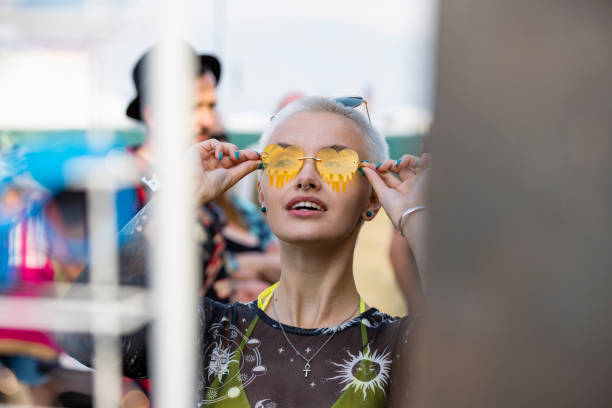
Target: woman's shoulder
[(212, 311), (374, 318)]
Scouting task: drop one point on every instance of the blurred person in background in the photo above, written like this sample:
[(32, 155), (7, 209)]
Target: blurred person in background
[(252, 247), (210, 217), (26, 356), (44, 240), (250, 261)]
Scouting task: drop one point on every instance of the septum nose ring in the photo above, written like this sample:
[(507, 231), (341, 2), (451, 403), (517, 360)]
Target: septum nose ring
[(307, 186)]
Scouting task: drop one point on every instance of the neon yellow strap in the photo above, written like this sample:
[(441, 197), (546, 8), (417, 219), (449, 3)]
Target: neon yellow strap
[(264, 297)]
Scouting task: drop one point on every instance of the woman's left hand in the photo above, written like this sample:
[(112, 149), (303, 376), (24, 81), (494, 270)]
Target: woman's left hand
[(400, 184)]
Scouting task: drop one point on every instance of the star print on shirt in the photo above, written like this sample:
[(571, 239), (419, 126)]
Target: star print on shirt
[(308, 350), (280, 350), (312, 385)]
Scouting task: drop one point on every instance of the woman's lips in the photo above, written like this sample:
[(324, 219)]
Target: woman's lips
[(306, 207), (306, 213)]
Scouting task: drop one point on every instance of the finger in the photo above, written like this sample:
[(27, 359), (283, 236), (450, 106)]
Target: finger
[(206, 147), (425, 161), (234, 154), (226, 151), (406, 161), (249, 155), (385, 165), (391, 179), (379, 185), (241, 170)]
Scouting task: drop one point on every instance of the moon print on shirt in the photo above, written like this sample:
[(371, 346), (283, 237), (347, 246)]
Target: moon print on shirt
[(230, 368), (364, 372), (265, 403)]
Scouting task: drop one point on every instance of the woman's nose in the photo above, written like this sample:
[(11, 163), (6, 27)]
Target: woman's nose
[(308, 177)]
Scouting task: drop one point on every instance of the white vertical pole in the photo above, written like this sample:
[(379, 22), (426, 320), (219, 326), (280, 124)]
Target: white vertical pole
[(174, 276), (103, 249)]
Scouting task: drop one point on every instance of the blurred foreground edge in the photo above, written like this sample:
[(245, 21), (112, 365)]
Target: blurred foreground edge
[(522, 186)]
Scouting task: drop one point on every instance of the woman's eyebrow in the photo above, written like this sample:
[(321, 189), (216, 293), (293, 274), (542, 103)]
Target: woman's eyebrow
[(338, 147), (283, 145)]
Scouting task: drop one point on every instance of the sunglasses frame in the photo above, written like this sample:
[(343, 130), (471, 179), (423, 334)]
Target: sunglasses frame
[(316, 159)]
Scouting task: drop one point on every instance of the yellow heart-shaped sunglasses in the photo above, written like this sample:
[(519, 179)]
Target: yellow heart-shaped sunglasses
[(282, 164)]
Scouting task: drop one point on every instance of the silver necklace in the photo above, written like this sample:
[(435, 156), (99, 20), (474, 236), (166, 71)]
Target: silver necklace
[(307, 369)]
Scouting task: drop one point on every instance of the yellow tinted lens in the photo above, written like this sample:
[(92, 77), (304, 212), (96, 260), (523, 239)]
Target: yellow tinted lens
[(282, 163), (337, 168)]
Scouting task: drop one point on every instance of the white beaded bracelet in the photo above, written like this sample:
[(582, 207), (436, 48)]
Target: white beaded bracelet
[(405, 214)]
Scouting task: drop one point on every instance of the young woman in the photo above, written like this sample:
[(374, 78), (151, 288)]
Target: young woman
[(308, 340)]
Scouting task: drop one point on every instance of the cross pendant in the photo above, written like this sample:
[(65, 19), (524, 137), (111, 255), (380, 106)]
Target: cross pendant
[(306, 370)]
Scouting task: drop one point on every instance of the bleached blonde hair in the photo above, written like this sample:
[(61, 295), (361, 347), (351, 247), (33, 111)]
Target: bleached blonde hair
[(377, 149)]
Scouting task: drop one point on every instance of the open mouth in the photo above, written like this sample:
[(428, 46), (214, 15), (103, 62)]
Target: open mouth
[(304, 205), (307, 206)]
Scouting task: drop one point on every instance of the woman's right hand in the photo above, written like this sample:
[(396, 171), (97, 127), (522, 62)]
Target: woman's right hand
[(217, 166)]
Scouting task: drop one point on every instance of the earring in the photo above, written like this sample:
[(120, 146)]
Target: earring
[(263, 209), (368, 213)]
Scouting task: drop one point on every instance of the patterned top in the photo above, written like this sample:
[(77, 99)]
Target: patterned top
[(247, 362)]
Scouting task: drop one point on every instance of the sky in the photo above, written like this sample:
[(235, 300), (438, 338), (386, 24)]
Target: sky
[(76, 55)]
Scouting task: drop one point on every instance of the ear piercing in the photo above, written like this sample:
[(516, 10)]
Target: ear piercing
[(368, 213), (263, 209)]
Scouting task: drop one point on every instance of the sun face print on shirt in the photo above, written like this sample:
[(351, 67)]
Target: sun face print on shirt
[(364, 372)]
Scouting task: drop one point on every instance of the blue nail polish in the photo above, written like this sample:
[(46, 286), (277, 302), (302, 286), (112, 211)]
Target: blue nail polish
[(257, 152), (369, 213), (361, 171), (417, 164), (397, 163), (220, 155), (237, 154), (379, 164), (260, 166)]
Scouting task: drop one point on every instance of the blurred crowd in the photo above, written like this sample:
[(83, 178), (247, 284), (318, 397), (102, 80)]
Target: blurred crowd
[(44, 231)]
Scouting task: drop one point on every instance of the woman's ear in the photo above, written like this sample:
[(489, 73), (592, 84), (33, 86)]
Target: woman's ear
[(373, 206), (260, 193)]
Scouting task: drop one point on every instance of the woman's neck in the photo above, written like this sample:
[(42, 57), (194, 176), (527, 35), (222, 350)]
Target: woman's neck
[(317, 288)]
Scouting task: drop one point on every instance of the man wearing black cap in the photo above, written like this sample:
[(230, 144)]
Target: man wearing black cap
[(207, 76), (211, 218)]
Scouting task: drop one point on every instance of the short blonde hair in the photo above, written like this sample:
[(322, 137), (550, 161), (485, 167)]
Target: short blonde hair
[(377, 149)]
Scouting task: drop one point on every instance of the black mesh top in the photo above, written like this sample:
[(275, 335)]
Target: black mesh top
[(245, 361)]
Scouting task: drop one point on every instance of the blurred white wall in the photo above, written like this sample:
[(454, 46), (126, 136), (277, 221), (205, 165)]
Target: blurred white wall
[(383, 51)]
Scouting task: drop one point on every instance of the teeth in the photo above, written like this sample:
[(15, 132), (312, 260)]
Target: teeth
[(307, 204)]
